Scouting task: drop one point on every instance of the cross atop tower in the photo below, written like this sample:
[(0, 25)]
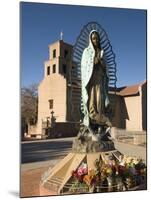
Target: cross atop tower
[(61, 35)]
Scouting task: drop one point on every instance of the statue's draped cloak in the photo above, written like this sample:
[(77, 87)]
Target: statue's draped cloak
[(87, 67)]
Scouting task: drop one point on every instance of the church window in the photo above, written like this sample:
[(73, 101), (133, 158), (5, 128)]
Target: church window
[(50, 103), (48, 70), (54, 68), (54, 53), (65, 53), (64, 69)]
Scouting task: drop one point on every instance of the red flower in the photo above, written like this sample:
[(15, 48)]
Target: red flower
[(121, 169)]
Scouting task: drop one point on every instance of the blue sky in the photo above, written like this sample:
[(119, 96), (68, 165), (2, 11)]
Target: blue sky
[(40, 25)]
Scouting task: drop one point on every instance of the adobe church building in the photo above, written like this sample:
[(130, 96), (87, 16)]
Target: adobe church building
[(59, 97), (58, 94)]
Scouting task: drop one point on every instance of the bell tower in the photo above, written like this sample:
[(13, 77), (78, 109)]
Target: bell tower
[(54, 91), (60, 60)]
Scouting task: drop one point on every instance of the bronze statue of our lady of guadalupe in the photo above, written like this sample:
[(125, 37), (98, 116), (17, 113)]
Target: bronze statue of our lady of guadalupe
[(97, 66), (94, 79)]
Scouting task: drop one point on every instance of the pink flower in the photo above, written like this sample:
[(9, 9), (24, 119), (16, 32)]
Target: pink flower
[(83, 169), (80, 171)]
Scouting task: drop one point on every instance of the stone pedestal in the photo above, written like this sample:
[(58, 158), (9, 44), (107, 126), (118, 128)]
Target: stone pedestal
[(57, 180), (87, 147)]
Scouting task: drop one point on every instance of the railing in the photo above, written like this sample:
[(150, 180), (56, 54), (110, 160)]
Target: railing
[(121, 186)]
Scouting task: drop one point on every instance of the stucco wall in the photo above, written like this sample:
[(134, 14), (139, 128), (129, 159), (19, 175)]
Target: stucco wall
[(120, 115), (144, 106), (52, 87), (134, 121)]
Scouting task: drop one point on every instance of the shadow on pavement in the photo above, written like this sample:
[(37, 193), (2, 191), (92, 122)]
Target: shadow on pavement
[(43, 151)]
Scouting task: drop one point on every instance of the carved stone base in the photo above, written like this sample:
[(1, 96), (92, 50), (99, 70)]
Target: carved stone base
[(90, 141), (90, 146)]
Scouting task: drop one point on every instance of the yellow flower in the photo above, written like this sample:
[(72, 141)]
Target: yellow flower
[(109, 171)]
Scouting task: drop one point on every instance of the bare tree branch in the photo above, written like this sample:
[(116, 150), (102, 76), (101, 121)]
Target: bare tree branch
[(29, 104)]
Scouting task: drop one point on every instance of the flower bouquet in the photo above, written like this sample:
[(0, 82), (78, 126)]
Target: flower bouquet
[(111, 175)]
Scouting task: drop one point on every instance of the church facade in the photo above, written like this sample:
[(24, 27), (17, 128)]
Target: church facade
[(59, 91)]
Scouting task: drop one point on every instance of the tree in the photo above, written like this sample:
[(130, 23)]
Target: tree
[(29, 105)]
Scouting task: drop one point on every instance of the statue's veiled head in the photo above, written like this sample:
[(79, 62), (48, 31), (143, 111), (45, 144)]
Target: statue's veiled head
[(95, 39)]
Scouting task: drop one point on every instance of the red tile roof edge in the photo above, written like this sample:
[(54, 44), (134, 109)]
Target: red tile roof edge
[(131, 90)]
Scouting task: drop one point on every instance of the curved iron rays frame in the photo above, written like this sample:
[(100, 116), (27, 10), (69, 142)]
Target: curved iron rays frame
[(83, 41), (109, 56)]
